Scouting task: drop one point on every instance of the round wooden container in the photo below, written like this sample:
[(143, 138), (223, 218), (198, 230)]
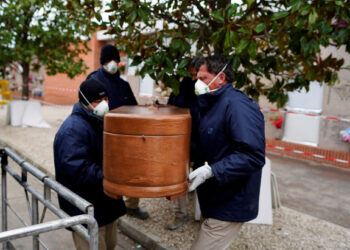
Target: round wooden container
[(146, 151)]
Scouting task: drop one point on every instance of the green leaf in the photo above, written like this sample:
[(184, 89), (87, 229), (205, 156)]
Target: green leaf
[(310, 74), (279, 15), (228, 42), (250, 2), (339, 3), (313, 17), (176, 44), (302, 21), (305, 10), (169, 63), (215, 37), (233, 37), (183, 63), (245, 31), (260, 27), (236, 62), (296, 5), (217, 16), (252, 50), (242, 45), (182, 72), (132, 16), (232, 10), (342, 36), (142, 14), (98, 17)]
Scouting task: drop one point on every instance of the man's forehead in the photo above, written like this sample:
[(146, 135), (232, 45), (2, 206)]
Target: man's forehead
[(203, 68)]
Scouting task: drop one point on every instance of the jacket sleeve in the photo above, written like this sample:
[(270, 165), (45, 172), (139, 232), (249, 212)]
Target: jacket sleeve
[(244, 127), (132, 99), (72, 157)]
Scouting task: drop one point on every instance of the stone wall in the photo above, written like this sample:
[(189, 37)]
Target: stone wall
[(336, 103)]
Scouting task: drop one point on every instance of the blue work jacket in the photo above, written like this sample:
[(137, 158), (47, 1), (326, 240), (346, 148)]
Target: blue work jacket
[(78, 164), (119, 91), (231, 139)]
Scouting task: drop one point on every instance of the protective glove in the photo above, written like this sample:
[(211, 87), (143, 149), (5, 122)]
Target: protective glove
[(199, 176)]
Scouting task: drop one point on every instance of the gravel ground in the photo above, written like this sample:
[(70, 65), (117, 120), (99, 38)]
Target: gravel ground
[(291, 229)]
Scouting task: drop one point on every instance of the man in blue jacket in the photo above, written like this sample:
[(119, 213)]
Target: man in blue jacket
[(119, 93), (230, 148), (78, 162)]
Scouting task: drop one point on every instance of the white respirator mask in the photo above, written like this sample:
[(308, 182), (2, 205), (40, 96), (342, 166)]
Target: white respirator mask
[(111, 67), (101, 109), (201, 87)]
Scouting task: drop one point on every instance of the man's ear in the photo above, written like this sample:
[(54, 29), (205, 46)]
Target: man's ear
[(222, 77)]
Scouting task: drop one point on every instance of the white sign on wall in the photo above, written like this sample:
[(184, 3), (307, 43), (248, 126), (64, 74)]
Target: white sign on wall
[(310, 101), (146, 86), (299, 128)]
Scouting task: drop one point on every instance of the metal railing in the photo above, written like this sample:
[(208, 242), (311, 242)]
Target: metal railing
[(38, 226)]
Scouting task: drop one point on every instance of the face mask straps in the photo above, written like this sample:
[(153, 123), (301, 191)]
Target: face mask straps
[(213, 80), (86, 99)]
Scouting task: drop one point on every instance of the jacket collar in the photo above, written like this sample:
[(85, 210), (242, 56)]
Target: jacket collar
[(108, 75), (209, 99), (88, 115)]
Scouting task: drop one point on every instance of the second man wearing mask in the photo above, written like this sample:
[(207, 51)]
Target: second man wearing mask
[(120, 94)]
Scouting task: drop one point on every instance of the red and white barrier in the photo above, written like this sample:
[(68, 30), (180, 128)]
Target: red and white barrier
[(309, 154), (307, 114), (62, 89)]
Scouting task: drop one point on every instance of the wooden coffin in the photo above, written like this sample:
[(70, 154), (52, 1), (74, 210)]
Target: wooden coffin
[(146, 151)]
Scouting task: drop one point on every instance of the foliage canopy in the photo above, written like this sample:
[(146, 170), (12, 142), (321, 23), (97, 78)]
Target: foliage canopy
[(48, 32), (274, 46)]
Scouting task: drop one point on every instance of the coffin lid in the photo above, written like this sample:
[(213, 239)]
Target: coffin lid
[(148, 120)]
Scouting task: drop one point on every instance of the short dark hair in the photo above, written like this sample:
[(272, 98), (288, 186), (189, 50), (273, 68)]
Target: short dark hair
[(195, 63), (216, 63)]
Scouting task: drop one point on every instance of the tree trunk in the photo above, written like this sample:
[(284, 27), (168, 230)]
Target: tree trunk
[(3, 73), (25, 83)]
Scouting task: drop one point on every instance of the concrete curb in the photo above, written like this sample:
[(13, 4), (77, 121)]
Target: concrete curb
[(139, 235)]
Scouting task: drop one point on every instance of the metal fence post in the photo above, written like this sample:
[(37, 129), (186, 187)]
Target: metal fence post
[(93, 231), (35, 220), (4, 162)]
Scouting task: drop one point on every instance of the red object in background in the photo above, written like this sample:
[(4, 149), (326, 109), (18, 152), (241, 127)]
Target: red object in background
[(278, 123)]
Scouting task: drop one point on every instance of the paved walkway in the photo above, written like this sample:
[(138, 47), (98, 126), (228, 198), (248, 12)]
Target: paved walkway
[(301, 187), (314, 189)]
